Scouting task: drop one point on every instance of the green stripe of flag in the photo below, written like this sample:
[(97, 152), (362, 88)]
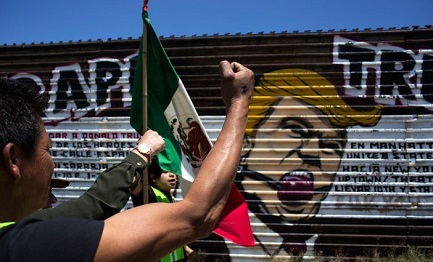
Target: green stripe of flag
[(163, 82)]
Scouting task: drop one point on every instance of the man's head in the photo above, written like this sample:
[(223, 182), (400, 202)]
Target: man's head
[(21, 108), (25, 162)]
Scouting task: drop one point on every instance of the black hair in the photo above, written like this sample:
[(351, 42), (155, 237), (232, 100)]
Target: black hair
[(21, 109), (154, 171)]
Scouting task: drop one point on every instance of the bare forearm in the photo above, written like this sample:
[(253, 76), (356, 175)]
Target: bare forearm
[(218, 170)]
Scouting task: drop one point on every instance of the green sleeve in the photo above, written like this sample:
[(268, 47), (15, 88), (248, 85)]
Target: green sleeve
[(107, 196)]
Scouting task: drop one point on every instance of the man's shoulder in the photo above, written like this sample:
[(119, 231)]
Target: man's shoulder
[(36, 228), (51, 240), (10, 227)]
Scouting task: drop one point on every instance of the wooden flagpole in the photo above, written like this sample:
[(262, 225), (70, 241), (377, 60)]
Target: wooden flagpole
[(144, 102)]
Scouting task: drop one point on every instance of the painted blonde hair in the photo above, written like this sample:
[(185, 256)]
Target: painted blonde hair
[(312, 89)]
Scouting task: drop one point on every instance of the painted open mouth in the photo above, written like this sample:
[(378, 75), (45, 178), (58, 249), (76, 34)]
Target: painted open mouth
[(296, 186)]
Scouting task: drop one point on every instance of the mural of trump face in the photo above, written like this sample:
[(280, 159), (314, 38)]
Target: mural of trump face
[(302, 157), (295, 140)]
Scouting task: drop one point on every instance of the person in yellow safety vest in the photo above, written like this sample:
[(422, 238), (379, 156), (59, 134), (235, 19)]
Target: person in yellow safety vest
[(161, 189)]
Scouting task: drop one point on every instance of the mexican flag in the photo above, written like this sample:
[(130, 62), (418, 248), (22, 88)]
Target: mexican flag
[(172, 114)]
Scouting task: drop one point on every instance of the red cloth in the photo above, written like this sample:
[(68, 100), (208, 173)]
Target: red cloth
[(234, 223)]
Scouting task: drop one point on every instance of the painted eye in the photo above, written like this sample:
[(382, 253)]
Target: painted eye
[(331, 147), (294, 129)]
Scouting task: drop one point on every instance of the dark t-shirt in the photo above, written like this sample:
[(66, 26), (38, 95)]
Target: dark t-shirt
[(63, 239)]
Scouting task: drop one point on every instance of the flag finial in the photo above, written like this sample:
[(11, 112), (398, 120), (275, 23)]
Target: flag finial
[(145, 8)]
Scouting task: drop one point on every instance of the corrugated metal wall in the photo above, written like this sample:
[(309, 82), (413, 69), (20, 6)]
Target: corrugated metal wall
[(339, 149)]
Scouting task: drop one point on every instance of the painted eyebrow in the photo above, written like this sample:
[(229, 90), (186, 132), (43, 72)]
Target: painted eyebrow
[(309, 126), (297, 119)]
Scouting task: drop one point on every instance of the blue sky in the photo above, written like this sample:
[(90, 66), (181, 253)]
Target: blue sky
[(27, 21)]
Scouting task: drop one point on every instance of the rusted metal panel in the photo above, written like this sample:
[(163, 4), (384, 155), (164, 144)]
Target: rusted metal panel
[(338, 151)]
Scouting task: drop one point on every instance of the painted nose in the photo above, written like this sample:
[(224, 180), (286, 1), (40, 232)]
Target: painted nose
[(310, 146)]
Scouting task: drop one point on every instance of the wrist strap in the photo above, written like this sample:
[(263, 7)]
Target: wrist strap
[(149, 156)]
